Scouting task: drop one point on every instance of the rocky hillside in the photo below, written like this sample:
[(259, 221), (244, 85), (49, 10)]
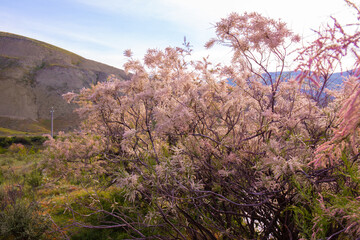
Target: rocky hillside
[(34, 75)]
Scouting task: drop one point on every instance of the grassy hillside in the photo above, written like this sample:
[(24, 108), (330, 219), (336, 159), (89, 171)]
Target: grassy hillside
[(42, 44), (33, 77)]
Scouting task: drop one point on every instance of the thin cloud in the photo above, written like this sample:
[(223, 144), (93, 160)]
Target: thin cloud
[(202, 13), (108, 27)]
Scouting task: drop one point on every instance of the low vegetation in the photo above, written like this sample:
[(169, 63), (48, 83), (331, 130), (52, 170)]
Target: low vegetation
[(35, 204), (29, 128)]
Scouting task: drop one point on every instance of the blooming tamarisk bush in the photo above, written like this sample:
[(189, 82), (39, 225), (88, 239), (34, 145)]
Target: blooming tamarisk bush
[(259, 159)]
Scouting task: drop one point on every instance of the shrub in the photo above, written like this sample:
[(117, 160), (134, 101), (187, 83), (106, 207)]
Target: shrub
[(20, 219), (2, 150), (17, 147), (35, 141), (38, 140), (266, 157), (22, 140), (5, 142), (34, 179)]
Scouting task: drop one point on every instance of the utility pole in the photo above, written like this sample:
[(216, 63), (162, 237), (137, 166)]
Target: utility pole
[(52, 121)]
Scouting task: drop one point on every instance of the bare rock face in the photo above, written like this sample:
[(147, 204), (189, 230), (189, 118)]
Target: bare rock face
[(34, 75)]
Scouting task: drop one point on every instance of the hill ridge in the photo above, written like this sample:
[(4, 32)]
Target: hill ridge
[(34, 75)]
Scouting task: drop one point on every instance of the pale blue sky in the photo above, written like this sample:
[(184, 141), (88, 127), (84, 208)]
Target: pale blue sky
[(102, 29)]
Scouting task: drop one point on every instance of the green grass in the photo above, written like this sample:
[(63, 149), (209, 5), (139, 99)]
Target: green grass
[(9, 127), (7, 131), (37, 130), (22, 173), (25, 128)]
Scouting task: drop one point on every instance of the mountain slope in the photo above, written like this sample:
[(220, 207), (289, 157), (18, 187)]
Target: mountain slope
[(34, 75)]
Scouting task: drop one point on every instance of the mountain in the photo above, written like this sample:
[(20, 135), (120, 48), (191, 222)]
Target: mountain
[(34, 75), (335, 80)]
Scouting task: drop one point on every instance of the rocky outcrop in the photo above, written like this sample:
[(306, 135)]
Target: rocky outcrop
[(34, 75)]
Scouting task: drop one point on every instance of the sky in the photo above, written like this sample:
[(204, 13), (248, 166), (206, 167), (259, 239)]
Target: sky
[(102, 29)]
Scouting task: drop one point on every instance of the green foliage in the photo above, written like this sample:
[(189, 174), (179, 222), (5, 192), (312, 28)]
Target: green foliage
[(2, 178), (20, 219), (2, 150), (6, 141), (35, 141), (91, 209), (38, 140), (35, 178), (22, 140), (327, 201)]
